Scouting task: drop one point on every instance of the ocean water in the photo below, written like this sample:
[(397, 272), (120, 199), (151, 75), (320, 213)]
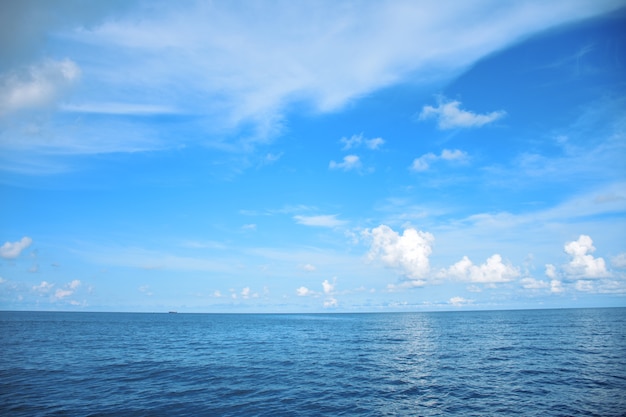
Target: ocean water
[(496, 363)]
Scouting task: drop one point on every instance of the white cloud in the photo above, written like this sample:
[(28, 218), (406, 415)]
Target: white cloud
[(329, 220), (61, 293), (453, 155), (534, 284), (550, 271), (556, 286), (69, 289), (583, 264), (330, 302), (328, 287), (240, 68), (11, 250), (304, 291), (423, 162), (350, 162), (36, 87), (250, 226), (584, 285), (491, 272), (43, 287), (309, 267), (449, 115), (459, 301), (619, 261), (408, 252), (357, 140)]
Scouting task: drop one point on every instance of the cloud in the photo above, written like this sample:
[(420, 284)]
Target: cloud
[(43, 287), (304, 291), (350, 162), (583, 264), (37, 86), (619, 261), (68, 290), (530, 283), (309, 267), (145, 289), (241, 68), (408, 252), (11, 250), (459, 301), (328, 287), (61, 293), (491, 272), (356, 141), (330, 302), (556, 286), (551, 271), (320, 221), (423, 162), (449, 115)]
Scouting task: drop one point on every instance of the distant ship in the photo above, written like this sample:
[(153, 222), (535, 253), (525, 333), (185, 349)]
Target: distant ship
[(172, 312)]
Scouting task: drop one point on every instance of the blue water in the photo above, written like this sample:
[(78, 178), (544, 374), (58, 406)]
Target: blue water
[(504, 363)]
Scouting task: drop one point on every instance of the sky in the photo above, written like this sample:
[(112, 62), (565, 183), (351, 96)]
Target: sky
[(312, 156)]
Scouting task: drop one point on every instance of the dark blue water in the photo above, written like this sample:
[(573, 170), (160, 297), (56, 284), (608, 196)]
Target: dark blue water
[(505, 363)]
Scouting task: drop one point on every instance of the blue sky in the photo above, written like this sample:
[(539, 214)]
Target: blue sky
[(268, 156)]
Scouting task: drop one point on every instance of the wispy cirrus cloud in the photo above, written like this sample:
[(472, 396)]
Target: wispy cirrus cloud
[(328, 220), (237, 70), (36, 86)]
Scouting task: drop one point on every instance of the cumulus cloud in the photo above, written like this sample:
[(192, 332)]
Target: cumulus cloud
[(36, 87), (407, 253), (424, 162), (350, 162), (530, 283), (309, 267), (303, 291), (330, 220), (328, 287), (330, 302), (550, 271), (43, 287), (556, 286), (449, 115), (357, 140), (583, 264), (68, 290), (11, 250), (459, 301), (491, 272)]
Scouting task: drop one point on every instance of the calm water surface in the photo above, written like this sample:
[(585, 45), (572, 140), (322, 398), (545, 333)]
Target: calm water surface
[(504, 363)]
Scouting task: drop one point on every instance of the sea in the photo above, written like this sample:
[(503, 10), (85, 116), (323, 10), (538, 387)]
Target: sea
[(569, 362)]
